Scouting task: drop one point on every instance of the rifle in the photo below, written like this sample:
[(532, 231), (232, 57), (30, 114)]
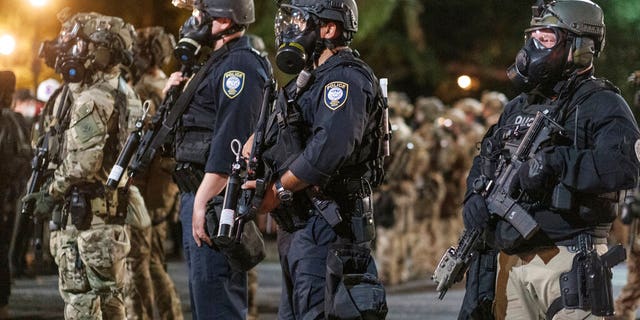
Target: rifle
[(133, 141), (455, 261), (39, 167), (496, 192), (157, 134), (250, 200)]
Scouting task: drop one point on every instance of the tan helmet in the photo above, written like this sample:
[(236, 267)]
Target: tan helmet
[(111, 38), (153, 47)]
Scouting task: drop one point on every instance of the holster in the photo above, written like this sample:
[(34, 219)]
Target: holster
[(79, 208), (587, 285), (188, 176)]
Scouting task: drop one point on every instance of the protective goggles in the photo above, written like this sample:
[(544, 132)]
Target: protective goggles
[(544, 38), (291, 20)]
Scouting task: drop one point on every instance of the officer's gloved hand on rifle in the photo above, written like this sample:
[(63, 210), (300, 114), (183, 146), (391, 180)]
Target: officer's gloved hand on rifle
[(475, 213), (536, 176), (43, 203)]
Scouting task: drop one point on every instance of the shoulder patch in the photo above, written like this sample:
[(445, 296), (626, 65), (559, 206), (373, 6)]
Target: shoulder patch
[(233, 83), (336, 94), (637, 148)]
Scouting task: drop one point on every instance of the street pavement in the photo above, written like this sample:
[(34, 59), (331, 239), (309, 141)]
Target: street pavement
[(38, 298)]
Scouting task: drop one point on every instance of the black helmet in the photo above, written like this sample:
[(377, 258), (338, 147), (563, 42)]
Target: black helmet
[(343, 11), (239, 11)]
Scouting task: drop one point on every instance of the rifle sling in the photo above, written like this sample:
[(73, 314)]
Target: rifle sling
[(182, 103)]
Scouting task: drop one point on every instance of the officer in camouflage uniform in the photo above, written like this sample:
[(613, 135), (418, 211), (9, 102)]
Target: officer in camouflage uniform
[(397, 196), (87, 125), (492, 104), (629, 299), (427, 229), (152, 286), (15, 152)]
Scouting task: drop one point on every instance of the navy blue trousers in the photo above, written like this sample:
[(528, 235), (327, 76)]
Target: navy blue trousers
[(216, 291), (303, 257)]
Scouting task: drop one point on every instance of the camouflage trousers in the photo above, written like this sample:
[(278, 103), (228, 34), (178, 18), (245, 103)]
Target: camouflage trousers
[(629, 299), (527, 284), (148, 284), (138, 294), (91, 270), (167, 300)]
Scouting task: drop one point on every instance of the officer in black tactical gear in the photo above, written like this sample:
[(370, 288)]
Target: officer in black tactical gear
[(325, 148), (559, 272), (224, 107)]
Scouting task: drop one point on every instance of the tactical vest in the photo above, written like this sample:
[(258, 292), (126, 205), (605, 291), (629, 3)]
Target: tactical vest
[(193, 137), (287, 133), (594, 211)]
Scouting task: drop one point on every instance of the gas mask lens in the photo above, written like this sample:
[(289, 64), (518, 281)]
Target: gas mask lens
[(543, 38), (290, 21)]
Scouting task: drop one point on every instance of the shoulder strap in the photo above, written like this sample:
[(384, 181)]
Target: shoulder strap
[(584, 90)]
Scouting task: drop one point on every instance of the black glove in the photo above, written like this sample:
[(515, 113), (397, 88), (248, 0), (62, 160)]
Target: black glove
[(43, 206), (475, 213), (536, 176)]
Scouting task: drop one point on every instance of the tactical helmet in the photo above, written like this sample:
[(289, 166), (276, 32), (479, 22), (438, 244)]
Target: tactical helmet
[(104, 32), (154, 47), (241, 12), (343, 11), (581, 17), (88, 41)]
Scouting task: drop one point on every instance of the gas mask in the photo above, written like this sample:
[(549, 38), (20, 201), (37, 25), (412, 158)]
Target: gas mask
[(542, 61), (194, 33), (71, 60), (296, 38)]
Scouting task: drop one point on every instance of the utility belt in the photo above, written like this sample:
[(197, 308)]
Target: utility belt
[(89, 203), (188, 176), (350, 215), (587, 286)]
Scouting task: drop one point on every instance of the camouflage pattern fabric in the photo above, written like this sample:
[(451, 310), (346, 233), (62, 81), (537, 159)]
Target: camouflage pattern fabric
[(91, 263), (139, 298), (160, 196), (628, 300), (91, 267)]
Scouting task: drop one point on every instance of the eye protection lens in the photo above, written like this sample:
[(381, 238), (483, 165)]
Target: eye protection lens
[(290, 19), (543, 38)]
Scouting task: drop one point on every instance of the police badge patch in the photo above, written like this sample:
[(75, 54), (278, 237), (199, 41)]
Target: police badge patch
[(232, 83), (336, 94)]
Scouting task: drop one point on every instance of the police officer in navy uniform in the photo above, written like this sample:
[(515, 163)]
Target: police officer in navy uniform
[(224, 107), (325, 139), (586, 167)]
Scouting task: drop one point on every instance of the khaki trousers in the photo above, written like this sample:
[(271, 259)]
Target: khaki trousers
[(527, 284)]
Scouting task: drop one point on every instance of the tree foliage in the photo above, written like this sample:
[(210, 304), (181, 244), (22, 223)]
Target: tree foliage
[(420, 45)]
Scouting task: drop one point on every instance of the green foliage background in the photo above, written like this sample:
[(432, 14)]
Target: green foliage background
[(422, 46)]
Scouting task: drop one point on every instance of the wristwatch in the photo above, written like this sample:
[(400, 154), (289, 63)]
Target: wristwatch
[(283, 194)]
